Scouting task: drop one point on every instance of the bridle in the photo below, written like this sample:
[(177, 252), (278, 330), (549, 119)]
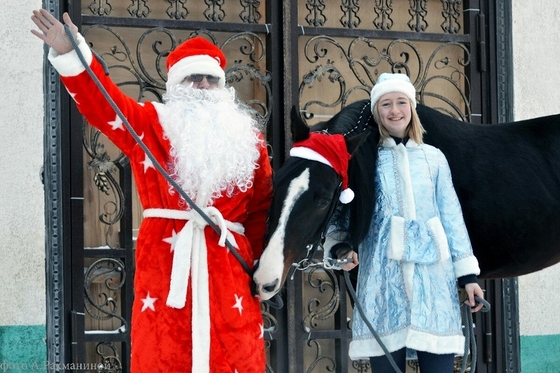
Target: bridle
[(317, 242)]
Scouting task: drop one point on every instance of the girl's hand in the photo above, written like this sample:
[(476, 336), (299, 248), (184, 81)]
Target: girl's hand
[(350, 265), (474, 289)]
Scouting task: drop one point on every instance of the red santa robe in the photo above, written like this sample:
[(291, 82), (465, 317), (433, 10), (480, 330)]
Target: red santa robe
[(226, 321)]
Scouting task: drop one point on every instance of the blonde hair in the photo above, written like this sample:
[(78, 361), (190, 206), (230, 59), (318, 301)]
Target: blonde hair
[(414, 130)]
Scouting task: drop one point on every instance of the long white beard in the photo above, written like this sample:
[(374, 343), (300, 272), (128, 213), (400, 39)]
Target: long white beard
[(213, 142)]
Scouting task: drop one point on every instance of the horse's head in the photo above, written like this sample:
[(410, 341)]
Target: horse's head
[(306, 190)]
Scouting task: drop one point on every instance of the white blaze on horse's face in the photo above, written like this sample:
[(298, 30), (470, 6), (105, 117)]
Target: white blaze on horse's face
[(268, 276)]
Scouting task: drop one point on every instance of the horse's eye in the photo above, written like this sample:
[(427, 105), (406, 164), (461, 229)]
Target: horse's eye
[(323, 202)]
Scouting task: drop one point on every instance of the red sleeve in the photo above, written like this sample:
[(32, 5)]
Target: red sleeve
[(93, 105)]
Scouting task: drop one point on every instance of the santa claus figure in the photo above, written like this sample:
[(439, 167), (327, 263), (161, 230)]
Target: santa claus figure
[(193, 308)]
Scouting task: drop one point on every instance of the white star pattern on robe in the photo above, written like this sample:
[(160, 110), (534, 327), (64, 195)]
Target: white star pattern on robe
[(117, 124), (238, 304), (148, 303), (73, 95), (141, 137), (172, 240), (147, 164)]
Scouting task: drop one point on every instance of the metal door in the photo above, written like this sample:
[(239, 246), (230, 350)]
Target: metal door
[(318, 55)]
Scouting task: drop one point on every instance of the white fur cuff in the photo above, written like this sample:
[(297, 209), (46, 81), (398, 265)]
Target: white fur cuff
[(69, 64), (466, 266)]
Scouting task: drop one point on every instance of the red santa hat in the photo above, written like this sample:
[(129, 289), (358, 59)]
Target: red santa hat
[(330, 150), (195, 56)]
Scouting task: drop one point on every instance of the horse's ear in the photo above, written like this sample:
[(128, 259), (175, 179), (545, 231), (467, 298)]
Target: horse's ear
[(352, 144), (299, 129)]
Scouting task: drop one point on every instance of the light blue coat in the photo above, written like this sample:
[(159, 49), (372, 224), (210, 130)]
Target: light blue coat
[(416, 248)]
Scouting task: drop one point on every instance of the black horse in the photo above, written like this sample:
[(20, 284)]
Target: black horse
[(507, 178)]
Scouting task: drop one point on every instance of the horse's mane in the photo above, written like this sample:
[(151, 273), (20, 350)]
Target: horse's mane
[(353, 120)]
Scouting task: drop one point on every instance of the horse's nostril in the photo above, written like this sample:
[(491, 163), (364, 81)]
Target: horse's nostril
[(270, 287)]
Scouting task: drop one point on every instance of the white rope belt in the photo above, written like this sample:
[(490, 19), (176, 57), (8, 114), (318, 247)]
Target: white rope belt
[(190, 256)]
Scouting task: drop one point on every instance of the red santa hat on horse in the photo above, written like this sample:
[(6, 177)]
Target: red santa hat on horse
[(330, 150)]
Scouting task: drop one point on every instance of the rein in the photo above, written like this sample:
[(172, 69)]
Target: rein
[(156, 164)]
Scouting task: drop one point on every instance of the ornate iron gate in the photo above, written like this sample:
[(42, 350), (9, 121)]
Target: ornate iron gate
[(318, 55)]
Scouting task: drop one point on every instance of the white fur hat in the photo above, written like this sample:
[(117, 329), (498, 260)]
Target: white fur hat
[(387, 83)]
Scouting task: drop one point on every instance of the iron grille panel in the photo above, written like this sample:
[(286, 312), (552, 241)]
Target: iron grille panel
[(326, 46)]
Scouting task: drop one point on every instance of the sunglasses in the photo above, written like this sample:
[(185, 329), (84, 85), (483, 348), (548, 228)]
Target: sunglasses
[(197, 78)]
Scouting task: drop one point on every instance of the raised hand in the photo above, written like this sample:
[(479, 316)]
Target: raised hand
[(52, 30)]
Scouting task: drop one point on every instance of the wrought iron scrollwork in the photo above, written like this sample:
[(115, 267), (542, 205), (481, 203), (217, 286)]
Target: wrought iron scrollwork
[(413, 365), (350, 11), (418, 11), (252, 46), (111, 362), (270, 324), (315, 17), (119, 56), (358, 61), (162, 42), (139, 9), (236, 73), (361, 366), (317, 48), (452, 10), (333, 75), (447, 73), (110, 273), (104, 168), (444, 67), (214, 11), (100, 7), (322, 362), (323, 283), (383, 10), (148, 70), (177, 9), (250, 12), (316, 310)]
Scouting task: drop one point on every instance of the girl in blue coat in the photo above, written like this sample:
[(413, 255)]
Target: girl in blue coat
[(417, 248)]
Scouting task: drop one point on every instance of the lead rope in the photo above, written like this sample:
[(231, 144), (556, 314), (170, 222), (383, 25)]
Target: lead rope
[(358, 305), (470, 340), (156, 164)]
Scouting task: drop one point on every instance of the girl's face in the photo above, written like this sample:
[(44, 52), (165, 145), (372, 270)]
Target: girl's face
[(394, 113)]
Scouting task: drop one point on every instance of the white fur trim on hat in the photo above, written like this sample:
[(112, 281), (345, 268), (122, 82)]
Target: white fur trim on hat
[(347, 195), (387, 83), (201, 64)]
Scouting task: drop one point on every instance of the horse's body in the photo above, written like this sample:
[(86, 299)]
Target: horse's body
[(507, 178)]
